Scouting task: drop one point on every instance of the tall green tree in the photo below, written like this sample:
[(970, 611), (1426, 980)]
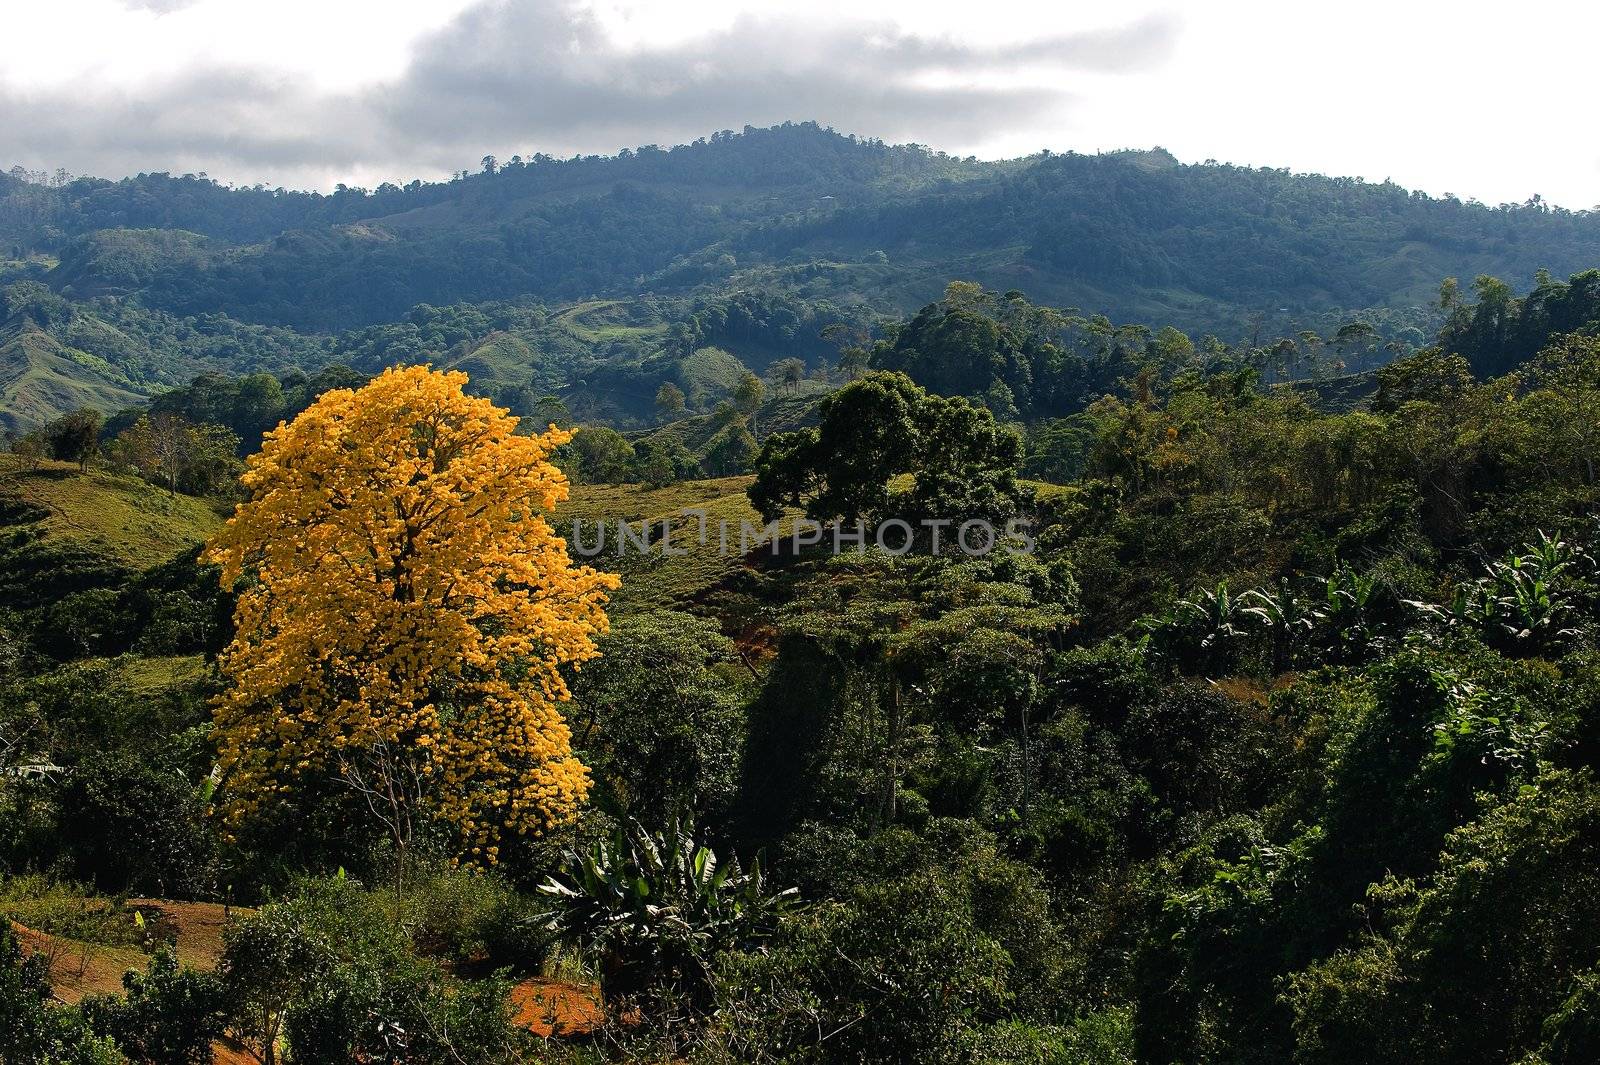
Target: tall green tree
[(962, 464)]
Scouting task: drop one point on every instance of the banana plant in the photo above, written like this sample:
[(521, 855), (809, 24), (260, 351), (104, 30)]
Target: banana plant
[(1290, 620), (1471, 605), (1551, 557), (1531, 615), (1208, 625), (1349, 615), (1524, 601), (1216, 614)]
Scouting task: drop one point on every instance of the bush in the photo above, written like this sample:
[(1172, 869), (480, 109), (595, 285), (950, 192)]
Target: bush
[(68, 910), (1097, 1039), (898, 973), (330, 969), (33, 1032), (136, 824), (168, 1016), (401, 1009), (456, 913)]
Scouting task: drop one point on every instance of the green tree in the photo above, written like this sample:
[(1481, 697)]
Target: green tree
[(897, 972), (1566, 404), (170, 450), (730, 451), (551, 410), (75, 437), (669, 401), (658, 721), (788, 373), (854, 361), (962, 464), (603, 455), (748, 392), (29, 449), (167, 1015)]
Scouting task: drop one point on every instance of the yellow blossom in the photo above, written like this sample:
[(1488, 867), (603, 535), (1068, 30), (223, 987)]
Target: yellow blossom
[(407, 594)]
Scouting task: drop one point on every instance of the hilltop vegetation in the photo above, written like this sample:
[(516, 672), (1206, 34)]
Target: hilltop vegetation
[(796, 209), (597, 279)]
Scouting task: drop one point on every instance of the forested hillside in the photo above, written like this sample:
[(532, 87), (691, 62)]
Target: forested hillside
[(791, 599), (798, 209), (1062, 542), (1268, 736)]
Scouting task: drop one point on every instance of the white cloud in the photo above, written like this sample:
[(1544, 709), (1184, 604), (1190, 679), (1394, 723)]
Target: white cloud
[(318, 91)]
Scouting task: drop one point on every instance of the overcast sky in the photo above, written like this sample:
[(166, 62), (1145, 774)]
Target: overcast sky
[(1493, 102)]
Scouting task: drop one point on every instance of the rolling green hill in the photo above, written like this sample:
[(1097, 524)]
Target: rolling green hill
[(40, 378), (123, 519), (656, 579), (597, 279), (798, 208)]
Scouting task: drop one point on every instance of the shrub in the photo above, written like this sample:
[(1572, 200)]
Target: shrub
[(659, 910), (898, 973), (33, 1032), (136, 824), (61, 908), (330, 971), (454, 913), (168, 1015)]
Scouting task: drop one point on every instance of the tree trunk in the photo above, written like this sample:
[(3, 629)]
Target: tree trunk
[(893, 790)]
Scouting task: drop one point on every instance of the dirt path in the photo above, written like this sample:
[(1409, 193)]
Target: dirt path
[(78, 969), (198, 924)]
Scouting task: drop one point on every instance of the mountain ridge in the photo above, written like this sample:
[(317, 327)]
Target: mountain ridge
[(172, 276), (1136, 235)]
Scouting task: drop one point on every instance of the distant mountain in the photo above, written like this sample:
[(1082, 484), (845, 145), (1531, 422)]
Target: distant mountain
[(799, 209), (596, 279)]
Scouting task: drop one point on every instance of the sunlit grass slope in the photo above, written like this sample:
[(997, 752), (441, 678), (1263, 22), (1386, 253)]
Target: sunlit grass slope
[(124, 518), (658, 579), (63, 531)]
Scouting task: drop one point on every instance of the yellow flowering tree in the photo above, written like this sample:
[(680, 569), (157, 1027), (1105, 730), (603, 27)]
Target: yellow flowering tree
[(405, 614)]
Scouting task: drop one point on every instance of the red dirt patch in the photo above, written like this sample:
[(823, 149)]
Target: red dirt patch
[(556, 1007), (199, 926), (227, 1052), (542, 1006), (79, 969)]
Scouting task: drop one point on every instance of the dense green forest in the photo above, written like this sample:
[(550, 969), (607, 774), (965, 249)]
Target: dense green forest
[(795, 208), (1076, 609), (596, 279), (1269, 737)]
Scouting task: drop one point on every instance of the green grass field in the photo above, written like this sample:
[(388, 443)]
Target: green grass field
[(597, 320), (657, 579), (122, 519)]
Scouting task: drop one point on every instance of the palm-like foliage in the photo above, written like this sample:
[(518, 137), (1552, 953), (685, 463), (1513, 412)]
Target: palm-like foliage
[(1523, 602), (1205, 630), (1349, 610), (1290, 620), (658, 909), (1215, 613)]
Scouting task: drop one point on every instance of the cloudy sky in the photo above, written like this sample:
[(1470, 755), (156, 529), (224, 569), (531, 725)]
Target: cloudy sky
[(1492, 102)]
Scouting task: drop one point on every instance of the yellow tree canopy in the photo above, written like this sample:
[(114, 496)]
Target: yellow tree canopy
[(404, 594)]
